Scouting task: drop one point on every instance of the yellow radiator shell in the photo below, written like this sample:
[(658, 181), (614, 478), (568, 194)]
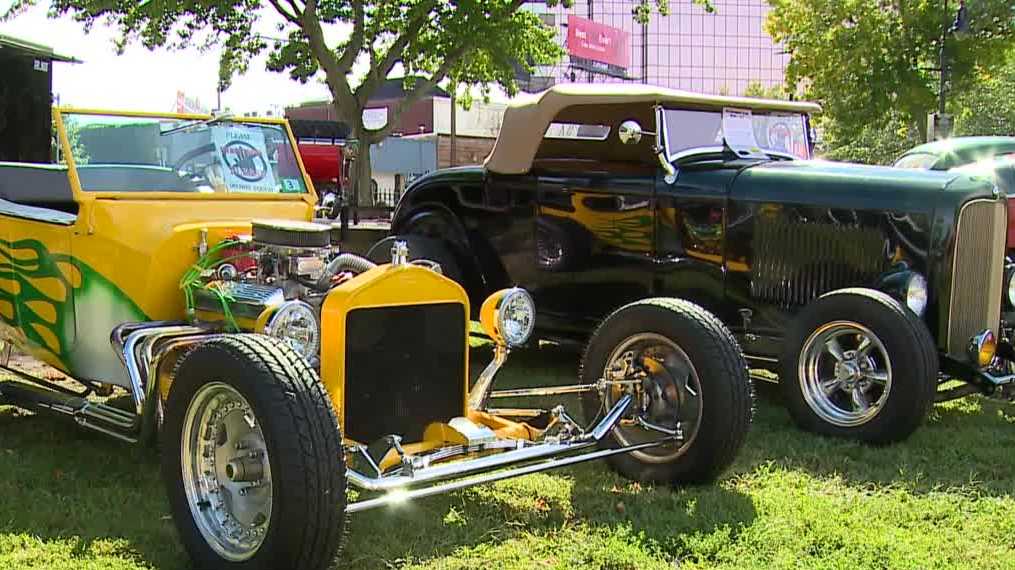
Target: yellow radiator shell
[(383, 286)]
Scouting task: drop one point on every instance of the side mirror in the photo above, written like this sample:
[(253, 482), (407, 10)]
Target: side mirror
[(630, 132)]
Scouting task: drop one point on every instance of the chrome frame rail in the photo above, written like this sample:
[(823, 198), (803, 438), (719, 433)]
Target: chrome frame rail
[(400, 495), (401, 487)]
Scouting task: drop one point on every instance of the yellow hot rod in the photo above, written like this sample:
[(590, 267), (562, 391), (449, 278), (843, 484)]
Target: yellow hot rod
[(173, 260)]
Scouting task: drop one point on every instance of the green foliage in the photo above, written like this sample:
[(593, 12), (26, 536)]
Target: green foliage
[(989, 107), (876, 143), (757, 89), (873, 62)]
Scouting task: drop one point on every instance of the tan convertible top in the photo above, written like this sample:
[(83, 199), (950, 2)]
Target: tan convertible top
[(527, 118)]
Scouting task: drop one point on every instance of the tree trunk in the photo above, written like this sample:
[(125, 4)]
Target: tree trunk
[(363, 175)]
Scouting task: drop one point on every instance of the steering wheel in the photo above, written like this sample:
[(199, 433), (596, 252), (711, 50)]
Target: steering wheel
[(184, 165)]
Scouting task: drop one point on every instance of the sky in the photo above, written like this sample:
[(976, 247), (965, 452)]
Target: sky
[(144, 80)]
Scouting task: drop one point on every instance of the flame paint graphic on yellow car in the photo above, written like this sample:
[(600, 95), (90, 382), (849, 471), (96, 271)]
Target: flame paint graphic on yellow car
[(37, 298)]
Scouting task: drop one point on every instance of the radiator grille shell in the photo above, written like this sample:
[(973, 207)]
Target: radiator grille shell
[(405, 368), (977, 272)]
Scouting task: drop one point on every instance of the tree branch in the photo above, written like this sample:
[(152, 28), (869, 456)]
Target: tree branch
[(378, 73), (355, 44), (290, 16), (418, 90), (332, 66), (423, 86)]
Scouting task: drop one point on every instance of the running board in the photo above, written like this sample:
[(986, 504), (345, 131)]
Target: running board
[(95, 416)]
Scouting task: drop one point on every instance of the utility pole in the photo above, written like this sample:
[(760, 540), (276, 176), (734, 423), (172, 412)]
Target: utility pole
[(943, 66), (454, 124), (940, 124)]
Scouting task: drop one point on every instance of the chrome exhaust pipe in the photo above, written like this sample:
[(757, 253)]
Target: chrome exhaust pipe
[(141, 347)]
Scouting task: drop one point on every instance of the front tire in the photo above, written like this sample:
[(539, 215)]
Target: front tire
[(859, 364), (252, 458), (694, 378)]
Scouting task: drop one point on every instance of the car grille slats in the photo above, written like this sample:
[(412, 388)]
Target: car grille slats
[(977, 273), (405, 368)]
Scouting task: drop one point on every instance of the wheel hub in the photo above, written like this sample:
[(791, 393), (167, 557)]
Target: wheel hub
[(665, 391), (845, 373), (227, 475)]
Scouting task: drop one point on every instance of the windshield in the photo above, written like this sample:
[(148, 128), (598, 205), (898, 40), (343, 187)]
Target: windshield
[(919, 161), (784, 133), (141, 154)]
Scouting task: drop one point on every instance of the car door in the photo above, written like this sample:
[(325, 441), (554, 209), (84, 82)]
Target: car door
[(37, 277), (595, 234), (691, 229)]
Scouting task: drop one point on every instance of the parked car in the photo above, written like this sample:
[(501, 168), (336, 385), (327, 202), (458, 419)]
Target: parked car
[(950, 153), (993, 157), (170, 262), (864, 288)]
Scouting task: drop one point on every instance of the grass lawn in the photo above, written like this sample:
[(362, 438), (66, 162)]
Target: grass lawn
[(943, 499)]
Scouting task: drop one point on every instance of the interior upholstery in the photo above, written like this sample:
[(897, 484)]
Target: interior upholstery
[(40, 186), (131, 178)]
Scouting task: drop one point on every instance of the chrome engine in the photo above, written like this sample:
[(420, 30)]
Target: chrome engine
[(276, 277)]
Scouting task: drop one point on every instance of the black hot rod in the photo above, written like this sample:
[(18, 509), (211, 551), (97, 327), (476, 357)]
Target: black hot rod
[(864, 288)]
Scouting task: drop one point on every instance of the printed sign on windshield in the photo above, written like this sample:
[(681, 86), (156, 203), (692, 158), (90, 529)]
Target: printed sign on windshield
[(244, 157)]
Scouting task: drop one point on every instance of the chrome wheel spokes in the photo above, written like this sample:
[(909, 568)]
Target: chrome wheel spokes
[(226, 472), (845, 373)]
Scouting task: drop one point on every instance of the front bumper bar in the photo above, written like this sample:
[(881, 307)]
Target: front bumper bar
[(446, 477)]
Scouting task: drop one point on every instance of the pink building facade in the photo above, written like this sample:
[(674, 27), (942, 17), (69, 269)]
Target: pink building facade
[(691, 49)]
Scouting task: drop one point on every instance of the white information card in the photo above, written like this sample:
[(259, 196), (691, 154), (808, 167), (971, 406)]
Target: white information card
[(738, 131)]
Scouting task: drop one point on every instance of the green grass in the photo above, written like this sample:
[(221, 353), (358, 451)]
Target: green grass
[(943, 499)]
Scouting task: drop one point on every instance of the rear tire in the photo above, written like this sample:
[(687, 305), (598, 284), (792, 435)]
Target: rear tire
[(679, 343), (251, 439), (880, 390)]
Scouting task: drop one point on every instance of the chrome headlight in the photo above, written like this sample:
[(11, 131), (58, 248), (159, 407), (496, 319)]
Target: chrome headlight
[(295, 323), (509, 316), (916, 294)]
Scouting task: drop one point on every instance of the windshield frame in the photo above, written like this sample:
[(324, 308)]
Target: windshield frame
[(674, 157), (81, 195)]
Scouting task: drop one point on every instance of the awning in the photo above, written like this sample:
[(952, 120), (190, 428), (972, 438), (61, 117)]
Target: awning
[(33, 49)]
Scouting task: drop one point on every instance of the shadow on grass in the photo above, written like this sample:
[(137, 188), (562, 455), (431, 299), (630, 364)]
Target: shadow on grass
[(589, 496), (964, 445), (62, 484)]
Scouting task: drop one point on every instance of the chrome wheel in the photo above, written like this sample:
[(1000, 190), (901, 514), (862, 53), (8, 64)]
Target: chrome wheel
[(666, 392), (845, 373), (226, 472)]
